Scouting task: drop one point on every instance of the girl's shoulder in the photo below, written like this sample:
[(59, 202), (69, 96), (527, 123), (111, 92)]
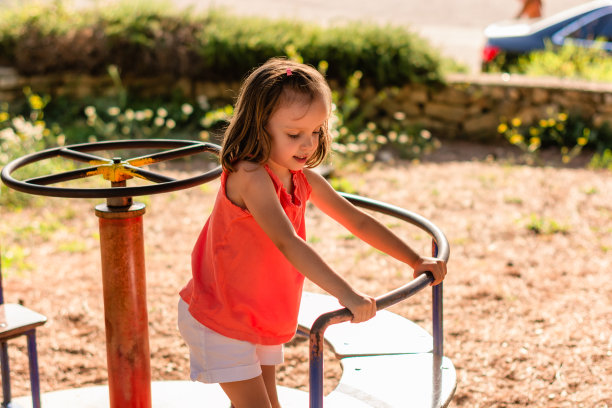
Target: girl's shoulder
[(247, 166), (247, 174), (248, 171)]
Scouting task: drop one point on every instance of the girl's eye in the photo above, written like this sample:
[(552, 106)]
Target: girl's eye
[(293, 136)]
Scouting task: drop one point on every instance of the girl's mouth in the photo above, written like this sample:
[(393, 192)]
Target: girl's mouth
[(301, 159)]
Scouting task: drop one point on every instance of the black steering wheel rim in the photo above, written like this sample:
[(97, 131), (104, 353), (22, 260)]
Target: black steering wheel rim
[(80, 152)]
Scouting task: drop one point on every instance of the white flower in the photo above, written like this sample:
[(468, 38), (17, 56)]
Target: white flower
[(381, 139), (203, 102), (90, 111), (9, 136), (140, 116), (187, 109)]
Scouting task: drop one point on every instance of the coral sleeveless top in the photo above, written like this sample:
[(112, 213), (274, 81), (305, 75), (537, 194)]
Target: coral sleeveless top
[(242, 286)]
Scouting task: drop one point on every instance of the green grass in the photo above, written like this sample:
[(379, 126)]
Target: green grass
[(14, 260), (546, 226), (72, 246)]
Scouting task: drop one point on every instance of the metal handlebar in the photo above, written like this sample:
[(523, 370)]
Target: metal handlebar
[(440, 248), (115, 170)]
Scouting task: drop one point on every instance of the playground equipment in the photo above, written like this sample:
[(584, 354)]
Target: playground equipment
[(123, 273), (16, 321)]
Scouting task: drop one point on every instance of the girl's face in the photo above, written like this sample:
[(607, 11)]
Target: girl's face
[(295, 130)]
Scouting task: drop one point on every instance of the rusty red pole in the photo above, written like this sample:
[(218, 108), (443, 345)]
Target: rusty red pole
[(125, 306)]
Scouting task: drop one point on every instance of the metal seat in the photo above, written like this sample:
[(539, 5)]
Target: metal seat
[(15, 321)]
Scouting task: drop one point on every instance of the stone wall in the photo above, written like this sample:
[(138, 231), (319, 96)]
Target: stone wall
[(472, 106), (469, 106)]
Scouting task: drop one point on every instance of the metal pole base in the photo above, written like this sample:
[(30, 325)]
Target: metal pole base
[(125, 306)]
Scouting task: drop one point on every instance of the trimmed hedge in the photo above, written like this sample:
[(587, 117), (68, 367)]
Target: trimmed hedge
[(151, 40)]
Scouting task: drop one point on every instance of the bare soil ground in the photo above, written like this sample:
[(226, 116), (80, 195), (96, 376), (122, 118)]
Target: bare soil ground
[(528, 298)]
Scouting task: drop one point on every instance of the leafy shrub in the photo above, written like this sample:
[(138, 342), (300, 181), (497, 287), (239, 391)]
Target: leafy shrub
[(602, 160), (567, 61), (570, 133), (355, 137), (148, 39), (21, 135)]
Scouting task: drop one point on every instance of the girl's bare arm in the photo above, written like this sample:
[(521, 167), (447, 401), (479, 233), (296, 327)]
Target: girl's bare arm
[(370, 230)]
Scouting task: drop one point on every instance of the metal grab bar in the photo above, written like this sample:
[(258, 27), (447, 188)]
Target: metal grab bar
[(440, 248)]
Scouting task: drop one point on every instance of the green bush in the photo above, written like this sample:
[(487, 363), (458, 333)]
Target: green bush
[(149, 39), (25, 134), (568, 61), (602, 160)]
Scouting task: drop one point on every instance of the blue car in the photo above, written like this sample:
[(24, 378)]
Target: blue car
[(587, 25)]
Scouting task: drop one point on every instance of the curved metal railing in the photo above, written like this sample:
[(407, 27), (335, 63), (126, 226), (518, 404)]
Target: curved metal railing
[(440, 248)]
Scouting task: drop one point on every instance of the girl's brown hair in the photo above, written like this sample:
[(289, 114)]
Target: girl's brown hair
[(246, 137)]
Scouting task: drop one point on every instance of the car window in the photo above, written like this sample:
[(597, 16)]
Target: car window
[(588, 28), (598, 28)]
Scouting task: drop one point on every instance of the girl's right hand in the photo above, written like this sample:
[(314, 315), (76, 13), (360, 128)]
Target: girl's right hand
[(361, 306), (436, 266)]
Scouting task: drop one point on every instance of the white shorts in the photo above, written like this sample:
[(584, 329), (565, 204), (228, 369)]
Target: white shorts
[(214, 358)]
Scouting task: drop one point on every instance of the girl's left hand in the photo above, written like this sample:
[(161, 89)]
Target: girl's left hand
[(434, 265)]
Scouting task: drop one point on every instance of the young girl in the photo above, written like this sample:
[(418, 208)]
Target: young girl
[(251, 257)]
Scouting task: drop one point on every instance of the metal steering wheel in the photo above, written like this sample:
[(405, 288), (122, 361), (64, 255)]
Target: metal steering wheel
[(115, 170)]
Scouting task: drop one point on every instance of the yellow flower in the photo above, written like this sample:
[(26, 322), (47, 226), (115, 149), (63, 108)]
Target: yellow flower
[(533, 131), (323, 65), (502, 128), (543, 123), (560, 127), (516, 138), (36, 102), (551, 122), (535, 141), (582, 141), (562, 117), (4, 116), (565, 159), (516, 122)]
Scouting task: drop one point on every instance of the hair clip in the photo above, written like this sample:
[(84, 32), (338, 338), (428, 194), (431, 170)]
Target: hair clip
[(289, 73)]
